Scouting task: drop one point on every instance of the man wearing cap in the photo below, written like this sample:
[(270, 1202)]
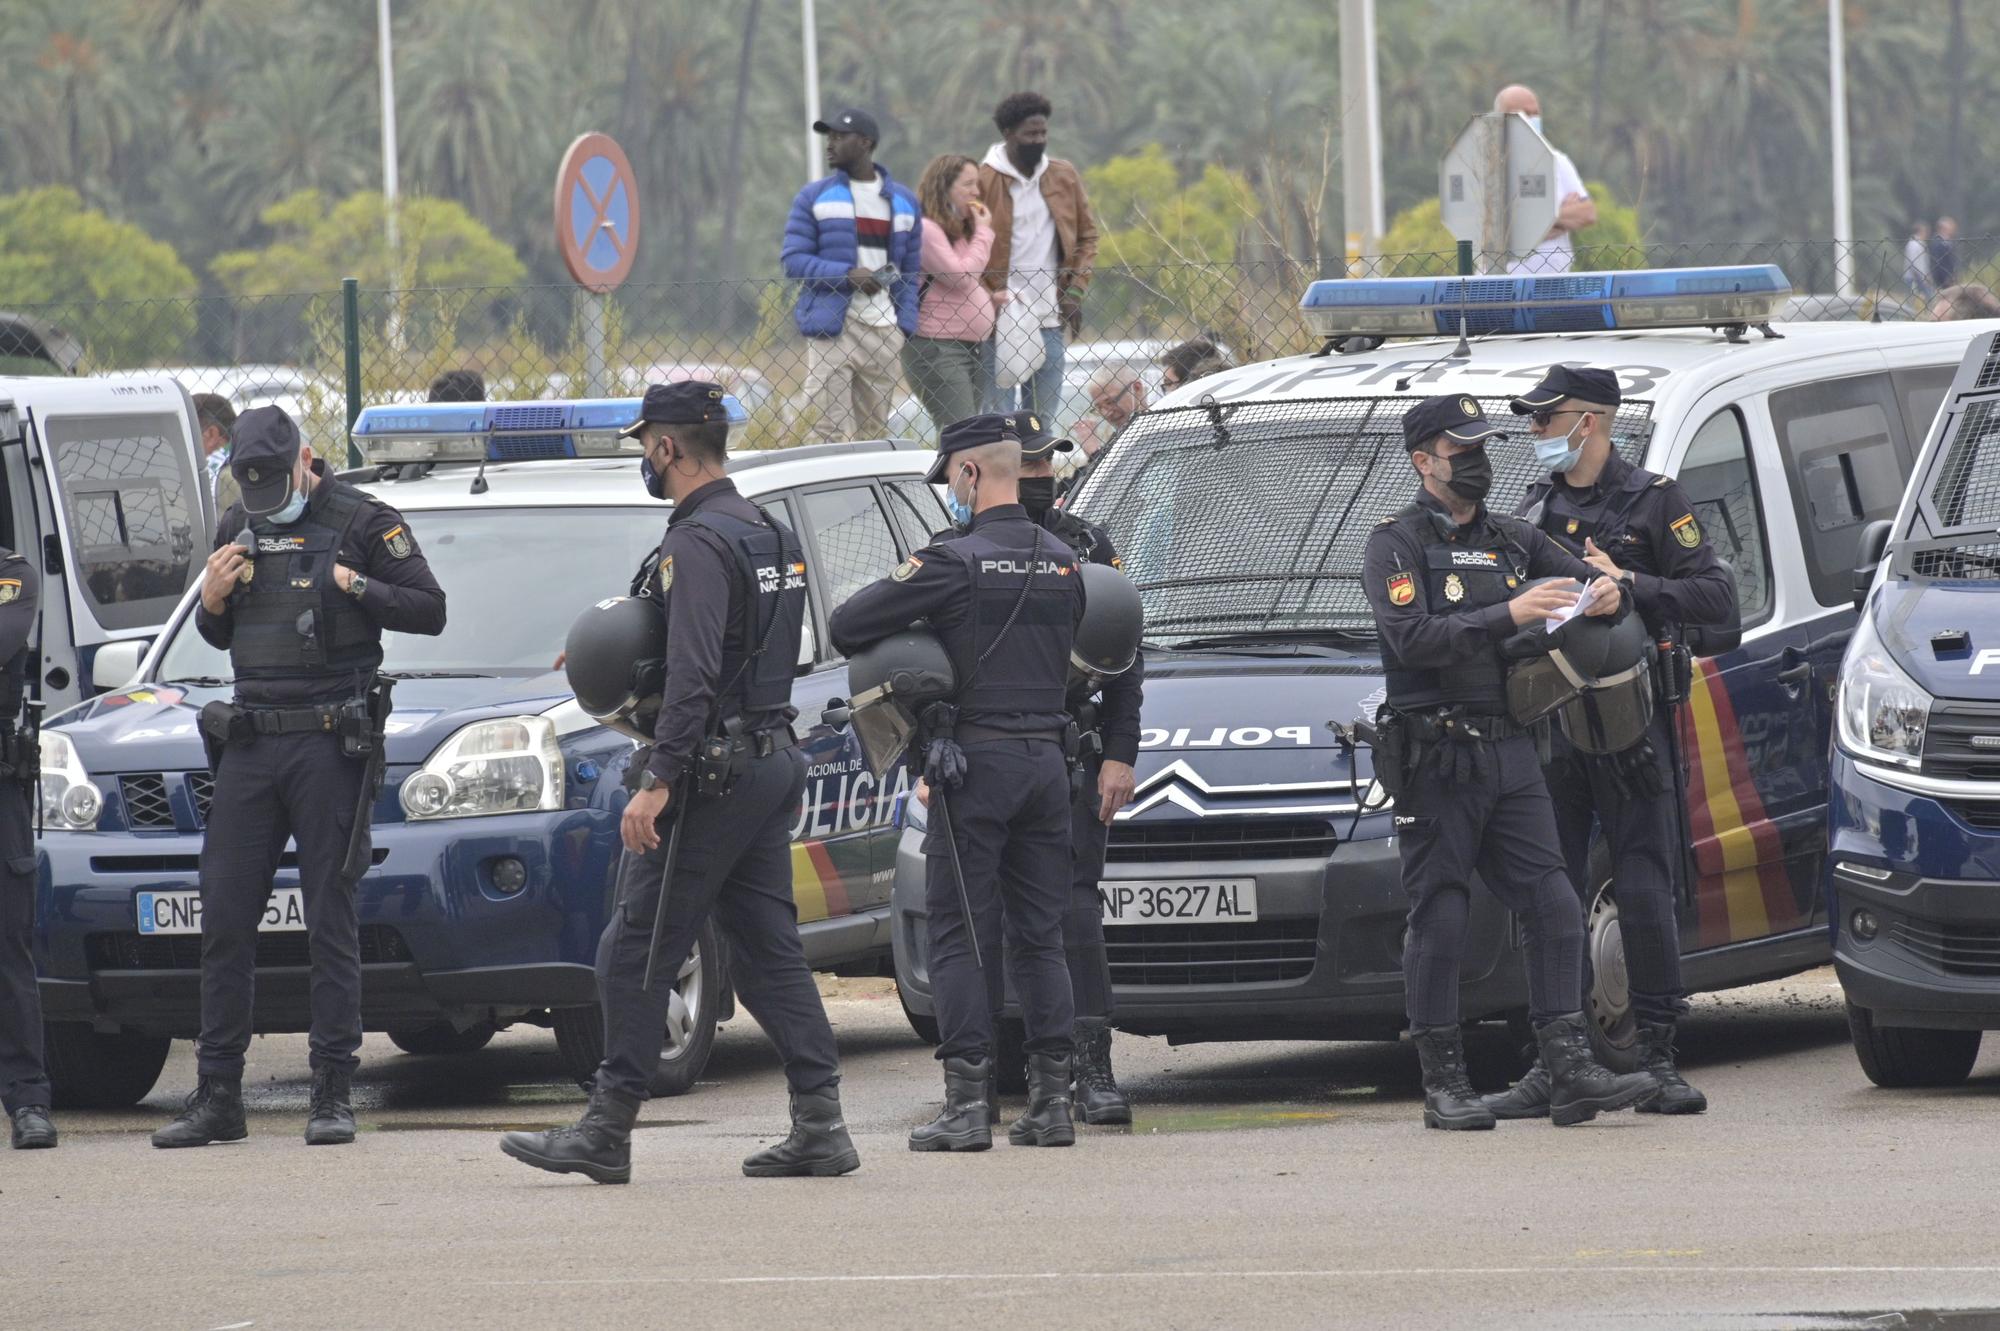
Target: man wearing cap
[(1108, 728), (1448, 582), (731, 586), (306, 575), (1004, 598), (1641, 530), (853, 244)]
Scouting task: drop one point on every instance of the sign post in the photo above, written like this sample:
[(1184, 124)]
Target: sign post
[(597, 233), (1497, 186)]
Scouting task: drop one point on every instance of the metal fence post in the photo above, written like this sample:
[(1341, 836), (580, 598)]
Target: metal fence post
[(1465, 258), (350, 318)]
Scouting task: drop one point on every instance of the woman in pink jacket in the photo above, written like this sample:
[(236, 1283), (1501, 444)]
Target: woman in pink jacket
[(955, 316)]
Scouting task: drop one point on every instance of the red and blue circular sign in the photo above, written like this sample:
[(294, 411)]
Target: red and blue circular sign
[(597, 212)]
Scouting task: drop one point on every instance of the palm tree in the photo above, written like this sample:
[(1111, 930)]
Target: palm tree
[(72, 107)]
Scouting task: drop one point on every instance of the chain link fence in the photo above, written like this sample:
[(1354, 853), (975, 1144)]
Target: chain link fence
[(296, 350)]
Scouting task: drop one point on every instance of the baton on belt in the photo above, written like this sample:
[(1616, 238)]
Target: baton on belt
[(666, 880)]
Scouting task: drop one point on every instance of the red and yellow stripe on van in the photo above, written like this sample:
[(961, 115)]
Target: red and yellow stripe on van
[(1742, 890), (817, 886)]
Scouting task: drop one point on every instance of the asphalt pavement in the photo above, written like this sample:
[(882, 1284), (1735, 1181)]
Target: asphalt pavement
[(1263, 1185)]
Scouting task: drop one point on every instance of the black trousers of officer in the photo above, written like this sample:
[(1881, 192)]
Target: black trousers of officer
[(24, 1077), (270, 789), (1643, 834), (1083, 916), (735, 860), (1500, 823), (1011, 822)]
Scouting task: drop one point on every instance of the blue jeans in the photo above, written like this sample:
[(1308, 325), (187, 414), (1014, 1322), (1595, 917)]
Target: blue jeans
[(1044, 390)]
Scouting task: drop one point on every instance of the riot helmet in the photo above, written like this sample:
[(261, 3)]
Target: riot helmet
[(1594, 674), (890, 683), (615, 658), (1107, 637)]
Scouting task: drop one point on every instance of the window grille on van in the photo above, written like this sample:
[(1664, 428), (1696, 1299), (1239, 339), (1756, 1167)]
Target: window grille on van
[(1245, 517)]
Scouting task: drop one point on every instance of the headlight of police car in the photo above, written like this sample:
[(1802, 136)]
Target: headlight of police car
[(1882, 712), (71, 801), (512, 765)]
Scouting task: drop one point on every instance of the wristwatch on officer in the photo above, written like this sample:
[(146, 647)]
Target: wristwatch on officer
[(650, 780), (357, 585)]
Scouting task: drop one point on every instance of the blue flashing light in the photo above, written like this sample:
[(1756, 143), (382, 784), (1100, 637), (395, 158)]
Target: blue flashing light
[(1547, 303), (428, 419)]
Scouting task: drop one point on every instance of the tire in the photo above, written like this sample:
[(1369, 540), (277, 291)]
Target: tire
[(441, 1037), (1898, 1057), (925, 1027), (1614, 1031), (690, 1033), (90, 1070)]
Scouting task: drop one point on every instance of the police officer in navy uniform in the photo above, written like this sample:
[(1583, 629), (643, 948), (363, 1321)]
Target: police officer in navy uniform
[(1640, 529), (1004, 597), (301, 616), (24, 1077), (1448, 582), (1109, 730), (731, 584)]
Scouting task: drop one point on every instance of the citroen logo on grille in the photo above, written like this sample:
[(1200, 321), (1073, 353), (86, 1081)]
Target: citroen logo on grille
[(1180, 785)]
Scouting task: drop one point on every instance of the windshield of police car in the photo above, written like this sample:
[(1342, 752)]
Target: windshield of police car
[(1250, 518), (514, 580)]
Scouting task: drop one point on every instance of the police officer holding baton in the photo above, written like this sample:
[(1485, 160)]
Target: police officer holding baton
[(1639, 529), (307, 573), (709, 827), (24, 1077), (1448, 583), (1004, 596)]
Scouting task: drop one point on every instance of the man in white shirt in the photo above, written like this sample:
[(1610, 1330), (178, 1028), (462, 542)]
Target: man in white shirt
[(1557, 250)]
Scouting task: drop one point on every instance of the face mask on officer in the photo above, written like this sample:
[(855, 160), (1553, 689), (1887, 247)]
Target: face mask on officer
[(1038, 495), (961, 509), (1558, 454), (1471, 474), (295, 507), (654, 478)]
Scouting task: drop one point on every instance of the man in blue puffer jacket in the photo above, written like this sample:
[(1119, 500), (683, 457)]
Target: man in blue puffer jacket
[(852, 242)]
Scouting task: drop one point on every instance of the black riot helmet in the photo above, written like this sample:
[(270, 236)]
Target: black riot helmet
[(889, 684), (1594, 673), (615, 658), (1107, 637)]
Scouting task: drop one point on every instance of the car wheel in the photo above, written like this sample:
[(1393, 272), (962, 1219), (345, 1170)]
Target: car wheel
[(1614, 1031), (690, 1027), (925, 1027), (1906, 1056), (91, 1070), (441, 1037)]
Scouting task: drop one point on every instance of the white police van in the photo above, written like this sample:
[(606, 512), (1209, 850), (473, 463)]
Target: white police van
[(1241, 504)]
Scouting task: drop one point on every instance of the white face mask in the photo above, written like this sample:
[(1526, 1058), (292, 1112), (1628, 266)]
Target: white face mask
[(1536, 122), (1557, 454)]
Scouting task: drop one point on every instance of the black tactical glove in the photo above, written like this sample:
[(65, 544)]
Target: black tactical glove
[(944, 763)]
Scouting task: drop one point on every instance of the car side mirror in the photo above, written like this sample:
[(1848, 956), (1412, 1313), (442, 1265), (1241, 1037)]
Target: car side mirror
[(837, 713), (117, 663), (1868, 557)]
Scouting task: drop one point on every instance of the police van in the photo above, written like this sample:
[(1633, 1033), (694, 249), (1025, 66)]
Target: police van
[(1914, 822), (496, 831), (1252, 888)]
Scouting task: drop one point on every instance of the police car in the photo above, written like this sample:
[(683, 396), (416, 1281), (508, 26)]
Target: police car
[(1914, 822), (1252, 888), (496, 832)]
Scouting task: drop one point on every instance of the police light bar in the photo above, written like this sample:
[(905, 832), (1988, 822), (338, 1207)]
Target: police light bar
[(1548, 303), (503, 431)]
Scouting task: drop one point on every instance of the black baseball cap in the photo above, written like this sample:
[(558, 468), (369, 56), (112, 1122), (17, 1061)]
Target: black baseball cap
[(263, 450), (1037, 441), (1454, 414), (972, 432), (688, 402), (850, 121), (1578, 381)]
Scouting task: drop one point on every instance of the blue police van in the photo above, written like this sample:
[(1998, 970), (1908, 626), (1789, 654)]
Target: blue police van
[(496, 832), (1913, 866)]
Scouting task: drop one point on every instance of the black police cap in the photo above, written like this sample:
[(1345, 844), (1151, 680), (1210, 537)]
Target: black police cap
[(263, 450), (1454, 414), (1037, 440), (689, 402), (1582, 382), (972, 432)]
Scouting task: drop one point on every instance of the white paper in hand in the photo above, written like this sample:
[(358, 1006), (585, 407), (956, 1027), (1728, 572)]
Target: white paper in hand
[(1562, 617)]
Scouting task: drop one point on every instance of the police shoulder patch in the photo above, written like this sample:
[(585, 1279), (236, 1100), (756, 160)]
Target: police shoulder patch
[(10, 590), (1686, 531), (907, 569), (666, 574), (1402, 589), (397, 539)]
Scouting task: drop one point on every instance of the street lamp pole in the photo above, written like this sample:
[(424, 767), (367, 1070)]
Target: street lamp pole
[(388, 81), (1843, 205), (810, 22)]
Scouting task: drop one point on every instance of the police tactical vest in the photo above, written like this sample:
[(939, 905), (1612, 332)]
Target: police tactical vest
[(772, 572), (1461, 577), (1073, 532), (292, 620), (1014, 664), (1607, 520)]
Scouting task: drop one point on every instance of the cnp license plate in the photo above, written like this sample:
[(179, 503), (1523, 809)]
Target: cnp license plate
[(1219, 901), (180, 912)]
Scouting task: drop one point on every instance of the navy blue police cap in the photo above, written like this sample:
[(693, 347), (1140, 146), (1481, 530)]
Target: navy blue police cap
[(1582, 382), (972, 432), (1037, 440), (262, 452), (1454, 414), (850, 121), (688, 402)]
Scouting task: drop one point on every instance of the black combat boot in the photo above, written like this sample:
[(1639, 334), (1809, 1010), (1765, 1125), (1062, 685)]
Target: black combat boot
[(1098, 1098), (1581, 1088), (1047, 1122), (1449, 1100), (1526, 1098), (33, 1130), (963, 1124), (1656, 1055), (819, 1146), (597, 1146), (332, 1120), (214, 1113)]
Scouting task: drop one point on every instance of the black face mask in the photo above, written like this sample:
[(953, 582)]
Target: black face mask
[(1038, 495), (1471, 475), (651, 477), (1028, 156)]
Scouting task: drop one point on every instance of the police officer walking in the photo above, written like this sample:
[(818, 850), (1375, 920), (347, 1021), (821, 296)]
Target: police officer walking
[(24, 1077), (731, 586), (1004, 597), (307, 573), (1639, 529), (1446, 580), (1108, 728)]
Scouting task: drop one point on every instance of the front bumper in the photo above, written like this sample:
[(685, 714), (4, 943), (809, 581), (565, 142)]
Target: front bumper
[(1926, 868)]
